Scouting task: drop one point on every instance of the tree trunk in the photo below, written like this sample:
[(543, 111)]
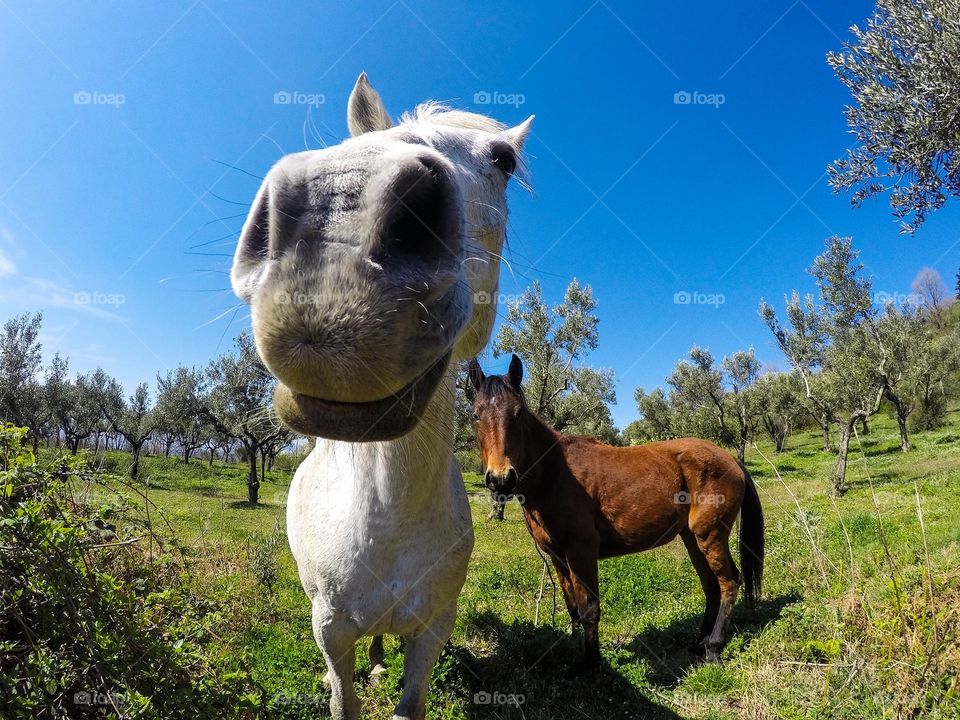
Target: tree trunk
[(825, 426), (902, 424), (74, 444), (840, 468), (135, 465), (742, 451), (253, 479), (780, 439), (864, 426), (187, 451), (263, 465), (167, 444), (212, 451)]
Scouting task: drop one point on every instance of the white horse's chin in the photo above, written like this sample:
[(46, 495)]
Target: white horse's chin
[(385, 419)]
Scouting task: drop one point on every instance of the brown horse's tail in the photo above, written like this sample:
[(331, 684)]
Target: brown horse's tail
[(751, 540)]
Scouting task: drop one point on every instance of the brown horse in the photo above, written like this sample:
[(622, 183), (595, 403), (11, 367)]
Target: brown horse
[(583, 501)]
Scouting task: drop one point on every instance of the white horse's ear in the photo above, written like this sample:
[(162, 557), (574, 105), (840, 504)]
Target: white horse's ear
[(365, 110), (517, 135)]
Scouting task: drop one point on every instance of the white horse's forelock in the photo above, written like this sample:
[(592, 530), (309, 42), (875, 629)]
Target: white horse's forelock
[(435, 113), (438, 113)]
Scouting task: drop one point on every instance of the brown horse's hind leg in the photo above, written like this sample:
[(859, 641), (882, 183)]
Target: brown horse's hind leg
[(716, 550), (711, 588)]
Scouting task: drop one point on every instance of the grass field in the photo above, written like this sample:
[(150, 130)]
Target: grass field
[(859, 617)]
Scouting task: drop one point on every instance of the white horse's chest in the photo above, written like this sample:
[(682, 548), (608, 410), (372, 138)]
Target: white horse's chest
[(375, 544)]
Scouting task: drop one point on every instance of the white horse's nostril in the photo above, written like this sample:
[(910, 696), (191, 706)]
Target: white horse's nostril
[(417, 205)]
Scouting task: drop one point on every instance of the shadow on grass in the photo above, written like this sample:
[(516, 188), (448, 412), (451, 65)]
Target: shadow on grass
[(245, 505), (531, 664), (785, 466), (672, 650), (878, 449)]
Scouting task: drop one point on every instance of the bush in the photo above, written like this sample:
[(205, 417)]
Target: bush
[(931, 413), (91, 624), (263, 556)]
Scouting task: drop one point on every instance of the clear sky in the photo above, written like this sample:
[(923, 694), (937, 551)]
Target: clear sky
[(119, 208)]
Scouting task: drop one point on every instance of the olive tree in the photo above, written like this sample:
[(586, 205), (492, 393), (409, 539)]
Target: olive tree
[(240, 405), (553, 342), (657, 418), (74, 403), (20, 358), (181, 409), (133, 418), (839, 338), (901, 69), (714, 401), (781, 405)]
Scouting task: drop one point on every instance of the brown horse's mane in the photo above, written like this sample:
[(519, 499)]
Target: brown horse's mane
[(585, 438), (495, 386)]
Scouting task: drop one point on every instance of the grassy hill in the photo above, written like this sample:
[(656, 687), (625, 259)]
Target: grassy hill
[(860, 616)]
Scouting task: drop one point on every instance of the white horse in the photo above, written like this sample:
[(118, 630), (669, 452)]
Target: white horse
[(371, 267)]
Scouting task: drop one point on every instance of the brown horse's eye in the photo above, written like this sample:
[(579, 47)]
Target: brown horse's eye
[(476, 418)]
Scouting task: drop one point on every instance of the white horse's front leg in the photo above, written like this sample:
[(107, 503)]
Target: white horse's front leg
[(337, 640), (419, 657)]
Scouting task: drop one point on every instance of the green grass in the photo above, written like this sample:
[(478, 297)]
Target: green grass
[(847, 627)]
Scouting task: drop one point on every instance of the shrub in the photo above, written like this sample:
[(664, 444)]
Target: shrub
[(263, 558), (91, 624)]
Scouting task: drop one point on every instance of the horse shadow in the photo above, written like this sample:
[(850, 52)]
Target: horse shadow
[(671, 650), (528, 676)]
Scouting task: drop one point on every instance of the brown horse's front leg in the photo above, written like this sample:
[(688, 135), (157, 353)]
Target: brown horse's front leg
[(566, 586), (586, 592)]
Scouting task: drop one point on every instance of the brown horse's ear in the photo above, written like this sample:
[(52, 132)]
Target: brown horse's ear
[(515, 373), (475, 373)]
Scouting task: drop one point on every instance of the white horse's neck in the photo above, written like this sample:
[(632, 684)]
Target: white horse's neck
[(402, 475)]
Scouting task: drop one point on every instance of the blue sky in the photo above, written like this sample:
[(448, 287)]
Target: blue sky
[(118, 208)]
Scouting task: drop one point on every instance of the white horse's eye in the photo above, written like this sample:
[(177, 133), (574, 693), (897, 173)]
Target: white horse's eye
[(504, 158)]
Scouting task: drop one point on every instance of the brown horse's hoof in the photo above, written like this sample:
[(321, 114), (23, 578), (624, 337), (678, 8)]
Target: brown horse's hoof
[(712, 654)]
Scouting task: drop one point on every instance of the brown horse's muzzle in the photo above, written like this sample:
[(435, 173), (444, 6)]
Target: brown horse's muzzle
[(505, 485)]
